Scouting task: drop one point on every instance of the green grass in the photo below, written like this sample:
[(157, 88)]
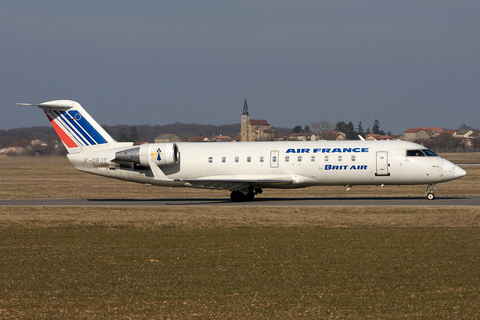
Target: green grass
[(232, 262), (239, 272)]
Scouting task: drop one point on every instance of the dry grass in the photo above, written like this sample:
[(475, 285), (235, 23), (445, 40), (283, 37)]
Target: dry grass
[(239, 273), (471, 158), (233, 217), (44, 178), (231, 262)]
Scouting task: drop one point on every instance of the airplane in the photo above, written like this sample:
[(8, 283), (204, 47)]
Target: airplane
[(245, 168)]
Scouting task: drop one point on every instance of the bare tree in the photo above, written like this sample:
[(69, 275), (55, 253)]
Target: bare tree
[(322, 125)]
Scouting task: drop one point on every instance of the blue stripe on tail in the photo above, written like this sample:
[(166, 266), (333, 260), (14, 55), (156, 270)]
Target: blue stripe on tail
[(58, 115), (80, 127), (90, 130), (81, 131), (64, 119)]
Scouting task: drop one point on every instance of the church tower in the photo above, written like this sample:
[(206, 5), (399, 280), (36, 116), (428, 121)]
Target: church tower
[(245, 130)]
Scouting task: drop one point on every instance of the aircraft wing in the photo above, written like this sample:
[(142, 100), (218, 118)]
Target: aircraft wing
[(228, 182), (235, 184)]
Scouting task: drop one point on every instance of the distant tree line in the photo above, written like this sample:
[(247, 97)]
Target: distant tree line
[(22, 137), (122, 132), (185, 131), (44, 133), (447, 141), (350, 131)]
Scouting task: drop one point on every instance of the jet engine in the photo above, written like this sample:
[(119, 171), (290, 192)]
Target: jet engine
[(162, 154)]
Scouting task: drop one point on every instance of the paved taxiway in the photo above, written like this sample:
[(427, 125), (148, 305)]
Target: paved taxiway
[(294, 202)]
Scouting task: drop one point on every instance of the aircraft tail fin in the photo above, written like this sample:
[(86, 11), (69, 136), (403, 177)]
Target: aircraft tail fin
[(74, 126)]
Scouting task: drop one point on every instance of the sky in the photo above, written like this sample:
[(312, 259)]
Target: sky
[(406, 63)]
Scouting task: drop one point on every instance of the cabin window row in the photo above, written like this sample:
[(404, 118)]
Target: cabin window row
[(237, 159), (326, 158), (287, 158)]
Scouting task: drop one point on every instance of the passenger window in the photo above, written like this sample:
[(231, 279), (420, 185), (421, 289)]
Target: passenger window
[(313, 159), (287, 158), (237, 159), (210, 159), (274, 159), (224, 159), (354, 158), (261, 159), (326, 158), (339, 158), (249, 159), (299, 158)]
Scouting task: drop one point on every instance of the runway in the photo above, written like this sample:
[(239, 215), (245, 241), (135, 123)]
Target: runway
[(271, 202)]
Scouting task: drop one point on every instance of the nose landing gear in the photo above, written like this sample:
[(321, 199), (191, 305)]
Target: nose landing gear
[(430, 189)]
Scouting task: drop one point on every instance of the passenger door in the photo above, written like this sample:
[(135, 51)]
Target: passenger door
[(382, 164), (274, 159)]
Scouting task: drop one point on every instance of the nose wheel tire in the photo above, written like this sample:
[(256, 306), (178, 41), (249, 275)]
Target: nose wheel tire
[(430, 189)]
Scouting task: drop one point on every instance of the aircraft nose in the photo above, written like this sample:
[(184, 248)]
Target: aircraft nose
[(459, 172)]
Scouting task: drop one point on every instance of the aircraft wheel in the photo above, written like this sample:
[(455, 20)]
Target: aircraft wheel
[(237, 196), (249, 196), (430, 196)]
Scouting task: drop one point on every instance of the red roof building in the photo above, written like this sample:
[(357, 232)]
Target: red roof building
[(422, 133)]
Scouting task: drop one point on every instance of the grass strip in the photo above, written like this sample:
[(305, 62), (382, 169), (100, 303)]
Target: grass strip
[(261, 272), (206, 217)]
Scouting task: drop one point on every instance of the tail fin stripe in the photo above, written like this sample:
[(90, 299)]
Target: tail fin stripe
[(81, 127), (90, 130), (65, 123), (67, 118), (67, 129), (63, 136)]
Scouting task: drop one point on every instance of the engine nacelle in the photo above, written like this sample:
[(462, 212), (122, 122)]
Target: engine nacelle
[(163, 154)]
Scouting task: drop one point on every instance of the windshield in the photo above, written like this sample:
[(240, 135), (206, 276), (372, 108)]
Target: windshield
[(421, 153), (430, 153)]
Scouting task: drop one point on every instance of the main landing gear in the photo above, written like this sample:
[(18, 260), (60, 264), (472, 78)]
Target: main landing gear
[(430, 189), (244, 194)]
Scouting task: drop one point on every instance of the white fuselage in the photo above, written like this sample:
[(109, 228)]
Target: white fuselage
[(279, 164), (244, 167)]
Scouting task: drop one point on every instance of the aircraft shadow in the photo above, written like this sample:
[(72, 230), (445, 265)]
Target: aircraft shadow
[(305, 200)]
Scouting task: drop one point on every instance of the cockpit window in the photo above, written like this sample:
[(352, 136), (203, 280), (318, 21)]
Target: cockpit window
[(421, 153), (415, 153), (430, 153)]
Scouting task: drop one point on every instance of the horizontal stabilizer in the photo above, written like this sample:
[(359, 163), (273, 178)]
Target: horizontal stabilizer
[(59, 104)]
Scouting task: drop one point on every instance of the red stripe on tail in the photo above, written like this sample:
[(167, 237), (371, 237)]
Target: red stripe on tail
[(63, 136)]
